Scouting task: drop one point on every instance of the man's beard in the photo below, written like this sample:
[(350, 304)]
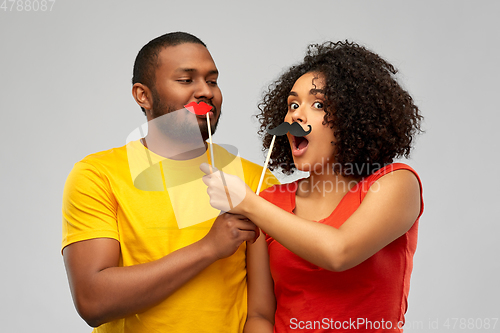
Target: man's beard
[(181, 125)]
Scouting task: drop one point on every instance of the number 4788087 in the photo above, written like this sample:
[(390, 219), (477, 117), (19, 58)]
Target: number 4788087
[(27, 5)]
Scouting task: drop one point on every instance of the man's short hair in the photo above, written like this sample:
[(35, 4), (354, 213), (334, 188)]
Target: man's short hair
[(146, 61)]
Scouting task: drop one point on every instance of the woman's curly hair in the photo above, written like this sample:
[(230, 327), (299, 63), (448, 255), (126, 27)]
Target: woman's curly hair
[(373, 118)]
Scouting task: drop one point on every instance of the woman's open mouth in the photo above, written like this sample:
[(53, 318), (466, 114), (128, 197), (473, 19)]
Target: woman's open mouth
[(299, 145)]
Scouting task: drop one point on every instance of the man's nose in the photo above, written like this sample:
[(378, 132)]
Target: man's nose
[(203, 90)]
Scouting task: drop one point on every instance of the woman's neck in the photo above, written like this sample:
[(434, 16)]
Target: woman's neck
[(325, 184)]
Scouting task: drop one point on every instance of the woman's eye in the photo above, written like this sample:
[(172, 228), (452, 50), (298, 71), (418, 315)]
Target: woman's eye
[(293, 106), (318, 105)]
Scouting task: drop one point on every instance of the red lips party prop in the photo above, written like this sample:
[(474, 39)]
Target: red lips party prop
[(198, 109)]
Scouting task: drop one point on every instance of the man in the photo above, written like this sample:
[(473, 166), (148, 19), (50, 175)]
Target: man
[(133, 263)]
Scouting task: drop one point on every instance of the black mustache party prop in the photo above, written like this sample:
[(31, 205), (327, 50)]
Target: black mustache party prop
[(294, 128)]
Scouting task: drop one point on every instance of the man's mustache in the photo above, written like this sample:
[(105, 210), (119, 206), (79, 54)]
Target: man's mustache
[(294, 128)]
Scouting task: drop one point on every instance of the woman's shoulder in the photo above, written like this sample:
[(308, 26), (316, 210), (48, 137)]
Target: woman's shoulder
[(388, 169), (405, 177)]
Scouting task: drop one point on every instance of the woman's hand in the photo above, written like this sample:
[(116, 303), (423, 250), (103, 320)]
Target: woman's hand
[(227, 192)]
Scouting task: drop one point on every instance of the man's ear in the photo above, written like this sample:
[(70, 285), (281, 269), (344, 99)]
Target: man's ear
[(143, 96)]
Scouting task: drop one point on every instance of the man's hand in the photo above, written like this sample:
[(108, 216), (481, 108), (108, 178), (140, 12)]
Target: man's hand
[(227, 234)]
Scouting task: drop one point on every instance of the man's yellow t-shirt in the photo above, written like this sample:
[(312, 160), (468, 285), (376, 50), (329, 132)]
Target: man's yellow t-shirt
[(154, 206)]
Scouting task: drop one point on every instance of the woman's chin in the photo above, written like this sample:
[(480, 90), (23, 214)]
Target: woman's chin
[(301, 165)]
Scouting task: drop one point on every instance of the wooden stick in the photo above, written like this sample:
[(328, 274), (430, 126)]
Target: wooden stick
[(210, 140), (213, 163), (265, 165)]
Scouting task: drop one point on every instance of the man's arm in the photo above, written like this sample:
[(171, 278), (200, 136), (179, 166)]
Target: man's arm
[(102, 291)]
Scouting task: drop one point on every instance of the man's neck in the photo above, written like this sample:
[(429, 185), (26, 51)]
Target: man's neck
[(164, 146)]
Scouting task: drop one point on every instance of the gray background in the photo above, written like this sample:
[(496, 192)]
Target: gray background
[(66, 92)]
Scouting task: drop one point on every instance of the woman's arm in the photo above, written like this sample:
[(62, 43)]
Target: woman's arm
[(388, 210), (261, 300)]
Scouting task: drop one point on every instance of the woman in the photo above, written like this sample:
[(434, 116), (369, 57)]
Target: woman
[(341, 241)]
